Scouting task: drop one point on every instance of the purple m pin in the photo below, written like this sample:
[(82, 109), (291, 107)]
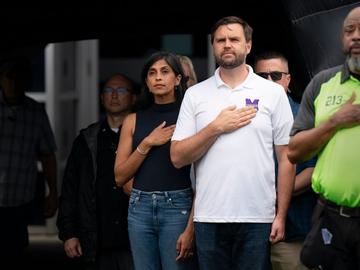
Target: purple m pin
[(252, 103)]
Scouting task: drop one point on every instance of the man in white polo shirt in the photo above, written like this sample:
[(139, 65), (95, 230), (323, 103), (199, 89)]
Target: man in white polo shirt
[(228, 126)]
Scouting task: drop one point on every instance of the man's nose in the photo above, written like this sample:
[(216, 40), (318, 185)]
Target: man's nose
[(356, 35)]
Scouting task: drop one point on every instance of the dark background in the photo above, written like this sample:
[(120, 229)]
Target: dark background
[(307, 32)]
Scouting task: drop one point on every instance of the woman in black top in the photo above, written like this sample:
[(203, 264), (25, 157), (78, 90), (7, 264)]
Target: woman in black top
[(160, 208)]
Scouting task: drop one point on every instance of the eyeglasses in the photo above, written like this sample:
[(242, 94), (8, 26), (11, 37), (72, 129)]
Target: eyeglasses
[(119, 90), (274, 75)]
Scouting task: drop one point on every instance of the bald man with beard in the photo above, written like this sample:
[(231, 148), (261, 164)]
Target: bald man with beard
[(328, 126)]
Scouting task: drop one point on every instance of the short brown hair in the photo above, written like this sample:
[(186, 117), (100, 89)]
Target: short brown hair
[(231, 20)]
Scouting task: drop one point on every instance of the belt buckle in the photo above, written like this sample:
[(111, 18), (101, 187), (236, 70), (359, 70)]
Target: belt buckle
[(342, 212)]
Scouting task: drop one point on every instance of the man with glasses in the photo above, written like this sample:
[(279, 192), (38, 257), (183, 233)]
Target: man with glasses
[(273, 66), (92, 218), (286, 254)]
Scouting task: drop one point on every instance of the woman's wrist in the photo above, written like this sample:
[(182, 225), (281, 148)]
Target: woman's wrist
[(144, 147), (141, 151)]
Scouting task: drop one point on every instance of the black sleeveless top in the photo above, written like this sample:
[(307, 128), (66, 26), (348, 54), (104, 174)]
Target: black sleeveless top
[(157, 173)]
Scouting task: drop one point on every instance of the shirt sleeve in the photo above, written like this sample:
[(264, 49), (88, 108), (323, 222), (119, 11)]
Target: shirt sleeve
[(282, 119), (186, 124), (305, 118)]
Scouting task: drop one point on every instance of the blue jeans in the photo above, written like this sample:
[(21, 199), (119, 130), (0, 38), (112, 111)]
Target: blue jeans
[(223, 246), (155, 221)]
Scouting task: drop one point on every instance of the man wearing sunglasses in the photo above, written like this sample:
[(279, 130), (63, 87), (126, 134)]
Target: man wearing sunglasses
[(92, 218), (285, 255), (273, 66)]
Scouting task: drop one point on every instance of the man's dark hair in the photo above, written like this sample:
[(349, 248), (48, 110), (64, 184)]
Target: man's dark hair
[(231, 20), (266, 55)]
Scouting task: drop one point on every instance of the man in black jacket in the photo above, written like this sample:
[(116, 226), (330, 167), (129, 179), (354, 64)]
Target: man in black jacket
[(92, 219)]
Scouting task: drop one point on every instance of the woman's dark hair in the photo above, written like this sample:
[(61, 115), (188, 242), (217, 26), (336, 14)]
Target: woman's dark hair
[(146, 97)]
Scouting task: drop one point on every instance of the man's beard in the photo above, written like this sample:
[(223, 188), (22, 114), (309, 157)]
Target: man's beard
[(238, 61), (354, 64)]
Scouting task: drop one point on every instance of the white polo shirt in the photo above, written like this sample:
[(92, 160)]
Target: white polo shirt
[(235, 179)]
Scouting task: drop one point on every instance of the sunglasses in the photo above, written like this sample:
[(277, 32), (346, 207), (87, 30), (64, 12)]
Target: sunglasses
[(119, 90), (274, 75)]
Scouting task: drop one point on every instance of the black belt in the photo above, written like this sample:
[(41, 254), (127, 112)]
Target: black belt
[(341, 210)]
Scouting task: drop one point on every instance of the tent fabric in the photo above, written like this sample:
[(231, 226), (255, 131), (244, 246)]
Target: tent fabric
[(316, 27)]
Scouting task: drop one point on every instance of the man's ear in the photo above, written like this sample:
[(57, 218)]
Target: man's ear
[(288, 79), (248, 47)]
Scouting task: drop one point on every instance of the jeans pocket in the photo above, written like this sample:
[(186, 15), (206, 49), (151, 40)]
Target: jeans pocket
[(180, 203), (134, 198)]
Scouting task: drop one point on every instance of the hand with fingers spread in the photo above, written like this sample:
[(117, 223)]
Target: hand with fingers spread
[(233, 118)]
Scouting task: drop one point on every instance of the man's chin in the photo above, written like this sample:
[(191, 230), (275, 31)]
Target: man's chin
[(354, 63)]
